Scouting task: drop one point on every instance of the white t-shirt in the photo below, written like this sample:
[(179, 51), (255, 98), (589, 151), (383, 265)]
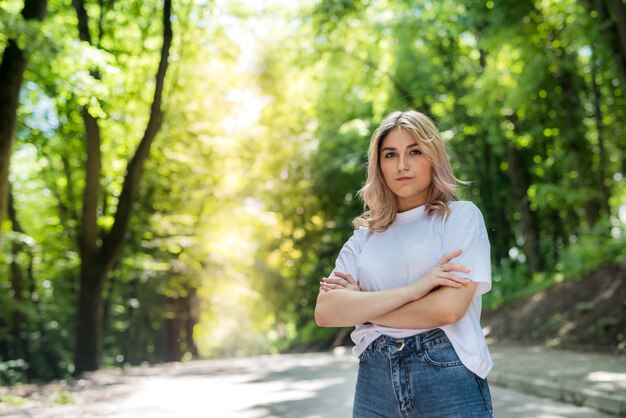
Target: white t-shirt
[(406, 251)]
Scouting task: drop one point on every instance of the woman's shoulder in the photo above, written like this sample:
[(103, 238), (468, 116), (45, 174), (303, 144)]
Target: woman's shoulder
[(464, 212), (357, 240), (463, 206), (361, 233)]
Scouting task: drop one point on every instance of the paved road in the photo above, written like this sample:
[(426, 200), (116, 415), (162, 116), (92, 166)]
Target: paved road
[(299, 386)]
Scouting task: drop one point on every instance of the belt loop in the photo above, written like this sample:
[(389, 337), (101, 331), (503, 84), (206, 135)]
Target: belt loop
[(418, 344), (380, 344)]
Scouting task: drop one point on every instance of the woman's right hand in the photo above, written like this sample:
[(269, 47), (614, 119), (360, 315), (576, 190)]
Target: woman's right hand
[(342, 281), (441, 275)]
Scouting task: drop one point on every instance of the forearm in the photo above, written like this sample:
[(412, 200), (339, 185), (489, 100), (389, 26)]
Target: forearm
[(342, 308), (443, 306), (337, 307)]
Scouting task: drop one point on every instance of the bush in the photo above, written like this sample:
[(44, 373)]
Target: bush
[(13, 372)]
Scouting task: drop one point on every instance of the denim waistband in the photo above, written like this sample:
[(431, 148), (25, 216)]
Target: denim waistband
[(414, 343)]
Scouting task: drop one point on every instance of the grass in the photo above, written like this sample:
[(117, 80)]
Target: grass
[(13, 400)]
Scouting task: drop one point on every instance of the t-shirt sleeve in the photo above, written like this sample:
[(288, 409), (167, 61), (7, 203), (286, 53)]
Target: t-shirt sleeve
[(465, 229), (347, 260)]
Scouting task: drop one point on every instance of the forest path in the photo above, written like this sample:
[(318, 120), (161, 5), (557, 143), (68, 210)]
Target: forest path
[(291, 385)]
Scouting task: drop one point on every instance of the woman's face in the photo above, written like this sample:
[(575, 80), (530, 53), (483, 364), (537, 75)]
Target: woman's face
[(407, 172)]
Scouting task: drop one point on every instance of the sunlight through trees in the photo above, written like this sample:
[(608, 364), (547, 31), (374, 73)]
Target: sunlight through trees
[(247, 188)]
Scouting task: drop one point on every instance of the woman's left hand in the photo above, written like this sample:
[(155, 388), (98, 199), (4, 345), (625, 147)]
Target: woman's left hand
[(343, 281)]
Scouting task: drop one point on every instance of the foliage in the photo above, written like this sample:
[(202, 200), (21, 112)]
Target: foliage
[(251, 185), (13, 400), (518, 93), (593, 250), (63, 397)]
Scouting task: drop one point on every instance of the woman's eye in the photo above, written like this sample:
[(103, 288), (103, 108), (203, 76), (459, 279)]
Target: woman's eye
[(415, 152), (390, 155)]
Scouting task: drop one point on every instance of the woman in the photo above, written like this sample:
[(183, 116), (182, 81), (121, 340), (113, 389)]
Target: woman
[(410, 279)]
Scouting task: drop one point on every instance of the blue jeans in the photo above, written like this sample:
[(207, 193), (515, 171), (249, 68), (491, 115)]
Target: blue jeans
[(419, 376)]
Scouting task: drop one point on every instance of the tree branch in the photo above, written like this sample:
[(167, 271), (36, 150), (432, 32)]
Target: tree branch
[(89, 235), (112, 244), (83, 20)]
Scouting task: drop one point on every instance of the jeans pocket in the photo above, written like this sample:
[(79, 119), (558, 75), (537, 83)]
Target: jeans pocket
[(442, 355), (364, 355)]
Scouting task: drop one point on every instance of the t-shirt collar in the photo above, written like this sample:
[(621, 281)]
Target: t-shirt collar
[(410, 214)]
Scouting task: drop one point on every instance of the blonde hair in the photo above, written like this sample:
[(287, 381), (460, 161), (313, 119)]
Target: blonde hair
[(381, 204)]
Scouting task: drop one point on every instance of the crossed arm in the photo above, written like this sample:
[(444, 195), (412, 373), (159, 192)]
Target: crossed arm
[(438, 298)]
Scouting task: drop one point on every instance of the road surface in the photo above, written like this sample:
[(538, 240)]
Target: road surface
[(292, 385)]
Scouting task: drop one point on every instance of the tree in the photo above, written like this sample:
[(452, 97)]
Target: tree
[(509, 84), (12, 69), (101, 251)]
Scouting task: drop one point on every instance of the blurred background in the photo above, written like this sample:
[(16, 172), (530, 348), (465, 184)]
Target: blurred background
[(177, 176)]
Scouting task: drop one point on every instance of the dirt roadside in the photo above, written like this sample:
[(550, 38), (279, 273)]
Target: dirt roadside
[(586, 314)]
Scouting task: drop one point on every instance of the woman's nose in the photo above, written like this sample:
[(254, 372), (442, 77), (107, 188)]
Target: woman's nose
[(402, 164)]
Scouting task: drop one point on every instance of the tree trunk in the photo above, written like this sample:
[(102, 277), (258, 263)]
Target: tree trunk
[(597, 113), (173, 323), (620, 22), (23, 283), (4, 344), (88, 349), (11, 77), (47, 351), (97, 262), (193, 315), (613, 29), (520, 188), (577, 145), (492, 203), (19, 322)]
